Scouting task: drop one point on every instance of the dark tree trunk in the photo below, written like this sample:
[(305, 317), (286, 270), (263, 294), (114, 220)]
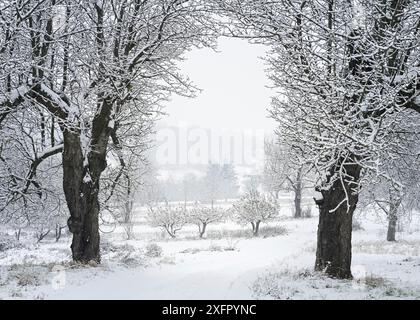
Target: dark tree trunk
[(255, 228), (82, 201), (298, 194), (392, 226), (81, 177), (392, 217), (202, 229), (171, 232), (333, 254)]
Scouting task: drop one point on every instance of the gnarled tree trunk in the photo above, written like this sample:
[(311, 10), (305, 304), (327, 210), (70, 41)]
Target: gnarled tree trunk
[(81, 176), (333, 254), (82, 200)]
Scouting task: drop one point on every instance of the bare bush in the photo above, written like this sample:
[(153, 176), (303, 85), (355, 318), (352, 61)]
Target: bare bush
[(169, 218), (153, 250)]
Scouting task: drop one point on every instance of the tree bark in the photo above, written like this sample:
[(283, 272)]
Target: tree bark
[(81, 175), (333, 254), (256, 228), (82, 201), (392, 217)]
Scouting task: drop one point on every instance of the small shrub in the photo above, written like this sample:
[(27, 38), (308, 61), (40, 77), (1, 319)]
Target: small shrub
[(167, 260), (374, 282), (191, 250), (226, 233), (129, 260), (272, 231), (153, 250), (8, 242), (214, 247), (25, 279)]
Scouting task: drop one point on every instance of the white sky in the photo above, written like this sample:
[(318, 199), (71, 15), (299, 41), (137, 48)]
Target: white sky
[(234, 98), (234, 93)]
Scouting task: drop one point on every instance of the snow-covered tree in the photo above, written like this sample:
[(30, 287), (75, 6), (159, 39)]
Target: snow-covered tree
[(202, 216), (254, 208), (169, 218), (348, 75)]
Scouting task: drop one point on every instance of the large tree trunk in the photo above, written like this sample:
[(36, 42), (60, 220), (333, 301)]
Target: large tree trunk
[(82, 201), (333, 254), (202, 229), (81, 176)]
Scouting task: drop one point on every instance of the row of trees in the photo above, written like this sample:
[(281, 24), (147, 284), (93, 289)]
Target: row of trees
[(253, 208)]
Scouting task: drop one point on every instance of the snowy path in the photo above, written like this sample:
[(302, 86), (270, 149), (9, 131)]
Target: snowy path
[(203, 275), (204, 269)]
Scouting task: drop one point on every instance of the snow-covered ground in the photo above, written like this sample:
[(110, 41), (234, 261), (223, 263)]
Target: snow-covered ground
[(227, 265)]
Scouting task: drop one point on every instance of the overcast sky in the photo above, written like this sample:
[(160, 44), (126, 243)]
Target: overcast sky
[(234, 98), (234, 93)]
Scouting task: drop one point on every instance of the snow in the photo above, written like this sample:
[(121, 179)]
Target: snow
[(55, 97), (49, 150), (228, 267), (87, 178), (14, 94)]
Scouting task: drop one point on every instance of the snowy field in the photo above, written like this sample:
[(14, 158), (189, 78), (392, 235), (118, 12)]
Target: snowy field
[(228, 264)]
